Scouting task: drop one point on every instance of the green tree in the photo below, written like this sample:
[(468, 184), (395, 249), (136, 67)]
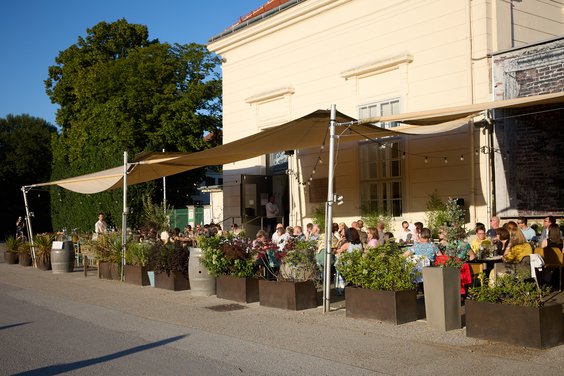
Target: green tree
[(25, 158), (119, 91)]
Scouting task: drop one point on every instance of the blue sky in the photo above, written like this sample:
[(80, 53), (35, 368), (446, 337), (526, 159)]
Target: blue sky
[(32, 32)]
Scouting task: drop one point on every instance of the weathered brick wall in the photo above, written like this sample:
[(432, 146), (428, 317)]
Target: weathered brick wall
[(531, 139)]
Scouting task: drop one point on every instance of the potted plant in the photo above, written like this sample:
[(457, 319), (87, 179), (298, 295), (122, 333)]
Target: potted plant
[(136, 260), (107, 250), (382, 284), (13, 244), (24, 254), (170, 263), (42, 244), (514, 310), (295, 272), (232, 262), (444, 285), (202, 282)]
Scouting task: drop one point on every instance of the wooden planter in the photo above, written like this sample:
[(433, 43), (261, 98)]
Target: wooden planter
[(176, 281), (524, 326), (136, 275), (43, 263), (10, 257), (397, 307), (24, 259), (287, 295), (245, 290), (108, 270), (442, 297)]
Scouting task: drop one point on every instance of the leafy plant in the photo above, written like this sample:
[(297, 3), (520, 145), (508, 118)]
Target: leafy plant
[(379, 268), (231, 255), (318, 216), (13, 244), (509, 289), (436, 214), (155, 214), (42, 244), (372, 218), (107, 247), (138, 253), (298, 261), (170, 257)]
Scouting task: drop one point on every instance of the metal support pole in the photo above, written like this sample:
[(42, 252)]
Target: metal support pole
[(124, 217), (329, 214), (28, 222), (164, 192)]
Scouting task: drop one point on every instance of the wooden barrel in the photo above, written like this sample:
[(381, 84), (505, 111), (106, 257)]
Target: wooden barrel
[(201, 282), (62, 257)]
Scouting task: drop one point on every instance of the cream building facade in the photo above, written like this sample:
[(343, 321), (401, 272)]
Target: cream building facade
[(368, 58)]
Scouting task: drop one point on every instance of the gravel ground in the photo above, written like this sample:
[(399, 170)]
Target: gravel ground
[(412, 348)]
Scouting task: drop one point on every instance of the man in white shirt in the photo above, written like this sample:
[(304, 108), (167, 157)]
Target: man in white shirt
[(271, 214), (100, 227), (405, 234)]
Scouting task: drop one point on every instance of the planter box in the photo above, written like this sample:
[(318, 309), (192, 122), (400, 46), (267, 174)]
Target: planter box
[(24, 260), (523, 326), (176, 281), (136, 275), (245, 290), (10, 257), (108, 270), (287, 295), (397, 307), (442, 297)]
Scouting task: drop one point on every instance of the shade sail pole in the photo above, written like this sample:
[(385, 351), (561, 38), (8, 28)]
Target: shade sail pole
[(124, 217), (25, 189), (329, 214), (164, 192)]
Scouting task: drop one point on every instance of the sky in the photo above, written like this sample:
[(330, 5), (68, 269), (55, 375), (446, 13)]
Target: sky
[(33, 32)]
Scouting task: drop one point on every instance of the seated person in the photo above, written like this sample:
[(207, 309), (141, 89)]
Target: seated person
[(372, 237), (481, 240), (554, 238), (424, 247), (517, 249)]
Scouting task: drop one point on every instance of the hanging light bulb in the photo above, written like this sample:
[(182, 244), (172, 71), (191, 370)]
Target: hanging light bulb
[(403, 155), (313, 172), (426, 159), (476, 151), (322, 147), (461, 157), (320, 161), (446, 160)]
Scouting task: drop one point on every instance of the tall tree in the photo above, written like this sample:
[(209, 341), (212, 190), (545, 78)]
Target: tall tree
[(25, 158), (118, 91)]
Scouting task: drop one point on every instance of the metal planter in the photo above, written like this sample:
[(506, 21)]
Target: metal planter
[(396, 307), (245, 290)]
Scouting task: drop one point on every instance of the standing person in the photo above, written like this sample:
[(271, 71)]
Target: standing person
[(20, 226), (100, 227), (272, 212)]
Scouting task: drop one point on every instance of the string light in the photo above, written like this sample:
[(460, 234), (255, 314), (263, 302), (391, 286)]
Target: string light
[(426, 159), (403, 155), (446, 160), (461, 157)]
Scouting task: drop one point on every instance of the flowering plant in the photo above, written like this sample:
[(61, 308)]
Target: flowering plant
[(229, 255)]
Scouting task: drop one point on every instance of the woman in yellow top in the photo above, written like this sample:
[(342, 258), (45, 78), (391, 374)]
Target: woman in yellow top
[(518, 246)]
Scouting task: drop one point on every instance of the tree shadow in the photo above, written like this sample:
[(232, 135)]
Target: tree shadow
[(12, 325), (62, 368)]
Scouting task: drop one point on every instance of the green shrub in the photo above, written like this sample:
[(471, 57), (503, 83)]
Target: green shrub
[(380, 268), (231, 255), (510, 289), (138, 253)]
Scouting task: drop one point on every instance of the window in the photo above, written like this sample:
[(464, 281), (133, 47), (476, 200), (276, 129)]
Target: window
[(381, 168), (384, 108)]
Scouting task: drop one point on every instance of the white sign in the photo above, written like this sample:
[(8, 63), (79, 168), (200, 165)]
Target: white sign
[(57, 245)]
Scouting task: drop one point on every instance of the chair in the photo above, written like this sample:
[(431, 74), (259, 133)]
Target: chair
[(553, 259), (475, 270)]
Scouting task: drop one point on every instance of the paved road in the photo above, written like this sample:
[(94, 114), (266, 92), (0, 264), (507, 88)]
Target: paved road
[(115, 328)]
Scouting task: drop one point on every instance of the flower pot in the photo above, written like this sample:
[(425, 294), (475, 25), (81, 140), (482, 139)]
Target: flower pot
[(176, 281), (10, 257), (442, 297), (287, 295), (43, 263), (24, 259), (62, 257), (524, 326), (108, 270), (245, 290), (136, 274), (396, 307), (201, 282)]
